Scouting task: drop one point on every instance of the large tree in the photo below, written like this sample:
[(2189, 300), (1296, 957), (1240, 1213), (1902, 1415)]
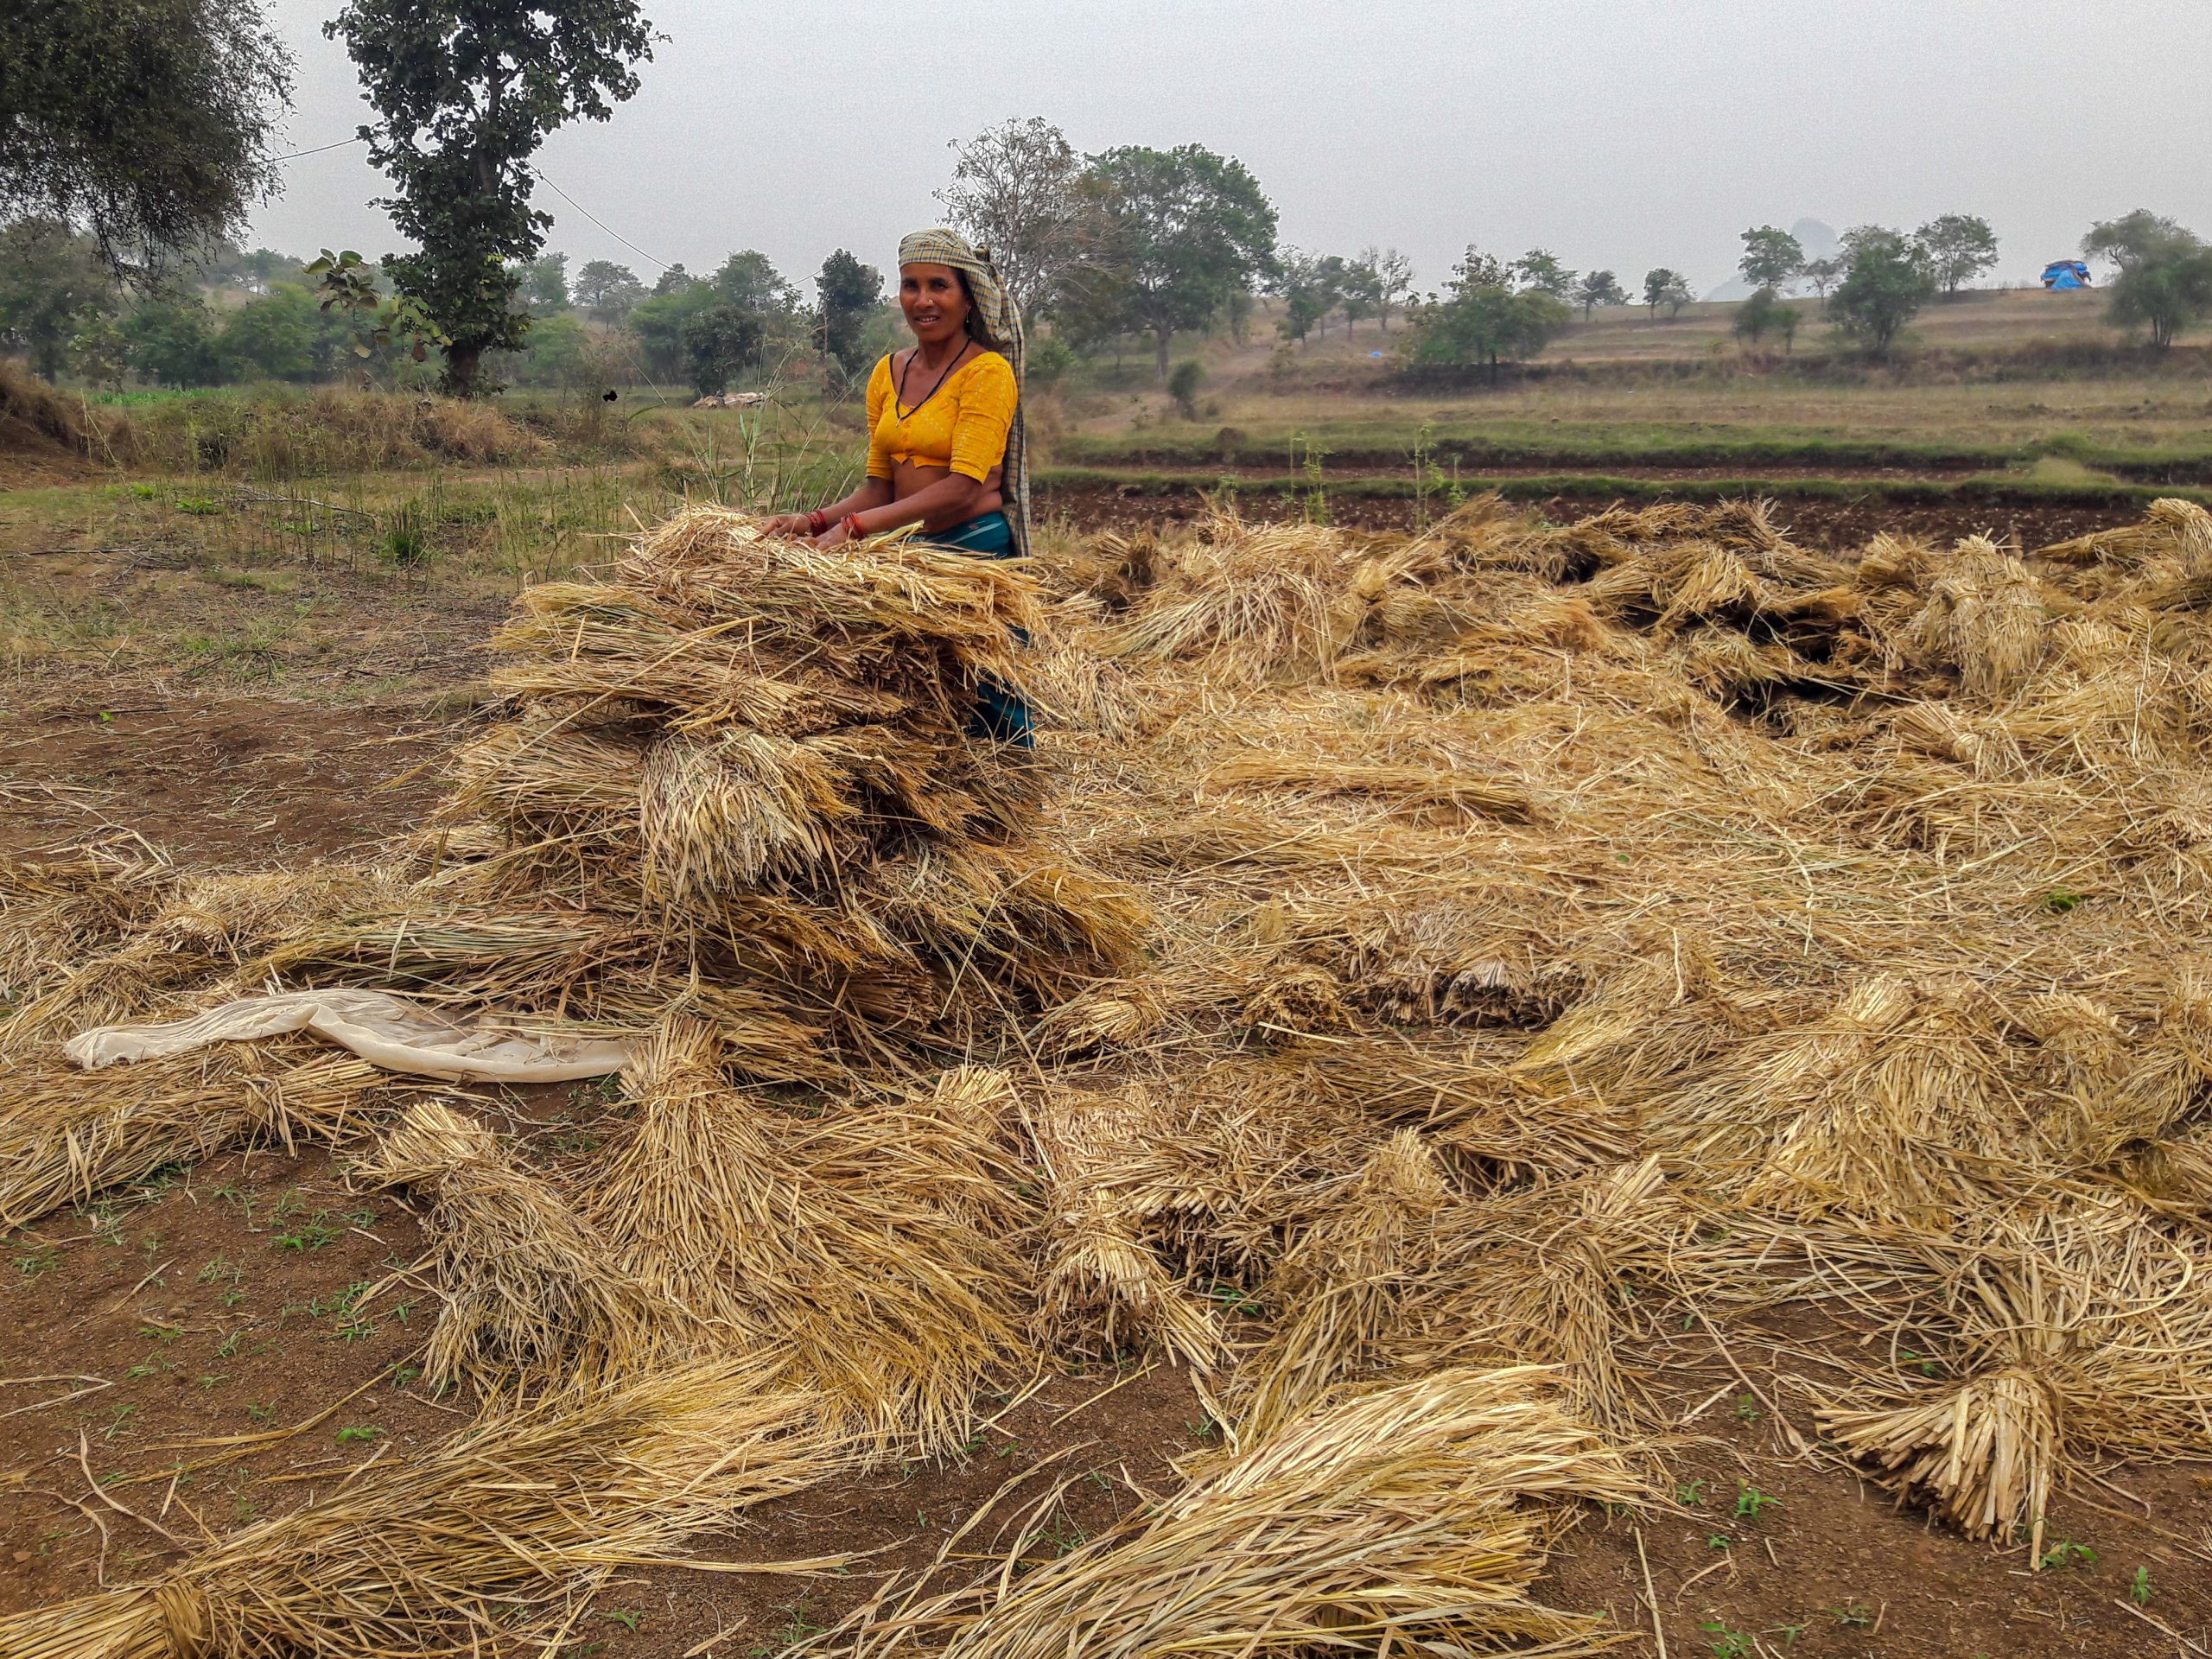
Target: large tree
[(1666, 287), (1484, 319), (1015, 192), (607, 290), (465, 91), (1545, 271), (1596, 287), (848, 291), (2165, 273), (1182, 229), (1958, 247), (1394, 280), (148, 123), (1886, 282), (1771, 256)]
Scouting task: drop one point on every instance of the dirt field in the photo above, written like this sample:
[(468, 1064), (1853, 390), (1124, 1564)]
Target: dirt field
[(234, 1338)]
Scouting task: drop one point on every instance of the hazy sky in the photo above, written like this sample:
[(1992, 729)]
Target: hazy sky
[(1622, 133)]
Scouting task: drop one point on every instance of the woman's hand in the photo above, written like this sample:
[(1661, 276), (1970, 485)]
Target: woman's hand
[(784, 523), (835, 536)]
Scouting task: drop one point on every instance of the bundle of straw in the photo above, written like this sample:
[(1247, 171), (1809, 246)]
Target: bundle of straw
[(1338, 1287), (495, 1539), (745, 765), (66, 1134), (1415, 1516), (859, 1251), (530, 1289), (1103, 1287)]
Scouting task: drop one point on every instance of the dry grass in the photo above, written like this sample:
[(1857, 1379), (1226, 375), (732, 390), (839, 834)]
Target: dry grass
[(1412, 1516), (498, 1537)]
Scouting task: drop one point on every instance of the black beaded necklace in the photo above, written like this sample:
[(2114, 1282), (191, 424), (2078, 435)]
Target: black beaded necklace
[(906, 414)]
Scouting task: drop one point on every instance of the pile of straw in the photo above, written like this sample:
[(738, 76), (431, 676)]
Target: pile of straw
[(1415, 1516), (498, 1538), (752, 759)]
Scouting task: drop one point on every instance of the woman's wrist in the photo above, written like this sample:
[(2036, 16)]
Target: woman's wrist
[(854, 528)]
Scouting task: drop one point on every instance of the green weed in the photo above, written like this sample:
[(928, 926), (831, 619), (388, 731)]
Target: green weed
[(1751, 1503)]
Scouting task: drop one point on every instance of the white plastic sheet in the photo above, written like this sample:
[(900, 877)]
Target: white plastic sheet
[(393, 1032)]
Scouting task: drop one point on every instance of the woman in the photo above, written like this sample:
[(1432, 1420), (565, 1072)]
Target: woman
[(945, 441)]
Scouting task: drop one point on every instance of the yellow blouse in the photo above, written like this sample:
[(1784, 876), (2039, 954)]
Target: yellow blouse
[(962, 425)]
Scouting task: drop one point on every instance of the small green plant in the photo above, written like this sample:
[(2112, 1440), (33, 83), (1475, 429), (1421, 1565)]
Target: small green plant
[(1926, 1366), (259, 1413), (628, 1621), (32, 1262), (1746, 1409), (2059, 900), (2139, 1589), (313, 1234), (359, 1432), (1716, 1541), (213, 1379), (123, 1414), (1202, 1429), (1690, 1494), (2067, 1553), (406, 544), (1789, 1633), (1751, 1503), (1725, 1643), (1855, 1614), (199, 506)]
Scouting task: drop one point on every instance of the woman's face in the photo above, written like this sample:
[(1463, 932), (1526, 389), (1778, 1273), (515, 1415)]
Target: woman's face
[(936, 305)]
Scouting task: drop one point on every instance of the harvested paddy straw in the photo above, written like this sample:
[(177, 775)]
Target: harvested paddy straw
[(527, 1285), (859, 1251), (1417, 1516), (1510, 943), (496, 1539), (740, 770)]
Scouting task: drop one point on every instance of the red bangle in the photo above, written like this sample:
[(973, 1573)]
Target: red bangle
[(817, 522), (854, 528)]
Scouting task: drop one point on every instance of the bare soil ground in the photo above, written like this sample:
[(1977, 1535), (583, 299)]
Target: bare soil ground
[(236, 1338)]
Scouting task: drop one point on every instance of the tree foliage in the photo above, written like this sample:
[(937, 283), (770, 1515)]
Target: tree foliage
[(1394, 280), (1597, 287), (848, 292), (1664, 287), (1886, 282), (1956, 248), (464, 92), (1823, 273), (1771, 258), (545, 283), (2165, 274), (1765, 313), (720, 338), (53, 284), (1484, 321), (1015, 191), (1542, 269), (607, 290), (1176, 232), (147, 122)]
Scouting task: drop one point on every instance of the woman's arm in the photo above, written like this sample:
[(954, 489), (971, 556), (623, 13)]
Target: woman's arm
[(873, 492), (951, 499)]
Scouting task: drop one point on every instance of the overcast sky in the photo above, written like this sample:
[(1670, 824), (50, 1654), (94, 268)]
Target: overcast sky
[(1618, 133)]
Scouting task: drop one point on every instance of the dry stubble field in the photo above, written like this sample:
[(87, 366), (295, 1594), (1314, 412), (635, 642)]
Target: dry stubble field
[(226, 1340)]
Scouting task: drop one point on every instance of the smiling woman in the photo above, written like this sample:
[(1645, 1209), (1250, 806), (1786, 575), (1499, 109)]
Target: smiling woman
[(945, 441), (944, 415)]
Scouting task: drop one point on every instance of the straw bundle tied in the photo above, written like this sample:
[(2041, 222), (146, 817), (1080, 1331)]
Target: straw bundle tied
[(492, 1542), (1415, 1516), (860, 1250), (1103, 1287), (527, 1286)]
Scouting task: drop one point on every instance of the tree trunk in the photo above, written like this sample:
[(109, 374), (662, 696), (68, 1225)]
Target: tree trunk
[(1163, 338), (462, 360)]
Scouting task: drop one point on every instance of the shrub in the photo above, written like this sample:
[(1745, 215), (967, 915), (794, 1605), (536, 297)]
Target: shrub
[(1183, 387)]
